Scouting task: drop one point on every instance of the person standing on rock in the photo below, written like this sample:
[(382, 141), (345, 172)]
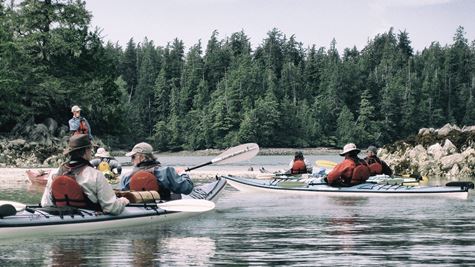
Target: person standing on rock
[(78, 124), (376, 165)]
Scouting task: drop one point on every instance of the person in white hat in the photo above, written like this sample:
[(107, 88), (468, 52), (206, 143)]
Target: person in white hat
[(376, 165), (76, 183), (351, 171), (102, 155), (148, 174), (78, 124)]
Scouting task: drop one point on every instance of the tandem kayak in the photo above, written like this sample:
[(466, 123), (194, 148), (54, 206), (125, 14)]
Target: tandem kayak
[(453, 189), (32, 220)]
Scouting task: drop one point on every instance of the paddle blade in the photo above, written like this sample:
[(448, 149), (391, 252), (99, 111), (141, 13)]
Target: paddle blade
[(18, 206), (237, 153), (7, 210), (325, 163), (187, 205)]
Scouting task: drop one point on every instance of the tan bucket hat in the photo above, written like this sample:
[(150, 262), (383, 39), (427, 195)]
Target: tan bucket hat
[(103, 153), (348, 148), (75, 108)]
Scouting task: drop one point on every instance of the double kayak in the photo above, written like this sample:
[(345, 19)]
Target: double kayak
[(33, 220), (296, 186)]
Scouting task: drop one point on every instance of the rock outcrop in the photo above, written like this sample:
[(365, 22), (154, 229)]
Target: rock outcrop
[(448, 151)]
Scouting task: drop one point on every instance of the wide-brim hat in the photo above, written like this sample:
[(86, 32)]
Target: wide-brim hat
[(103, 153), (143, 148), (348, 148), (76, 142)]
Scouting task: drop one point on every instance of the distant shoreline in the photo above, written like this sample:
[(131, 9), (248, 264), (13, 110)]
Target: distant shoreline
[(262, 151)]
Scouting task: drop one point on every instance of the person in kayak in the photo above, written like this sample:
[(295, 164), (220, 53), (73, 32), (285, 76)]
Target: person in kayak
[(105, 163), (148, 174), (299, 164), (77, 183), (376, 165), (78, 124), (351, 171)]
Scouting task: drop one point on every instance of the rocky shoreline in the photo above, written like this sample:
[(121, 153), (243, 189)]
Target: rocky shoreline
[(445, 152)]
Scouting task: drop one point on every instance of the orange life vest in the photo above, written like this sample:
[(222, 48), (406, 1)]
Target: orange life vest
[(298, 167), (360, 173), (144, 181), (375, 166), (67, 192)]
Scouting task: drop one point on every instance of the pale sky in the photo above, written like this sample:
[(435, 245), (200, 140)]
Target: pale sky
[(350, 22)]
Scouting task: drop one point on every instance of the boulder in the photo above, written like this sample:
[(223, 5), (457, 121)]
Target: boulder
[(468, 129), (445, 130), (436, 151), (449, 161), (449, 147)]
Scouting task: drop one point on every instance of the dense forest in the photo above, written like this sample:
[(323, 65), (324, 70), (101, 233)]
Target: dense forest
[(224, 92)]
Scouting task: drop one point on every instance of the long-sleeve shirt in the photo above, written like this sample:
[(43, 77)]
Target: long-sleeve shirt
[(96, 188), (166, 177)]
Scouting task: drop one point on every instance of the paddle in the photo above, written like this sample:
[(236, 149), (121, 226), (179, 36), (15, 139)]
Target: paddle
[(325, 163), (233, 154)]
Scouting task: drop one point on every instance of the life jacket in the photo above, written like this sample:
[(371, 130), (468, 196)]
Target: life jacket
[(360, 173), (144, 180), (66, 191), (104, 165), (375, 165), (298, 167), (82, 128)]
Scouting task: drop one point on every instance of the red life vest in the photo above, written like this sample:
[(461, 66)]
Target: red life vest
[(82, 128), (67, 192), (144, 181), (375, 165), (298, 167), (360, 173)]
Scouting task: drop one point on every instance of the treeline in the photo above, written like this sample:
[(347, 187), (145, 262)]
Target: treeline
[(224, 92)]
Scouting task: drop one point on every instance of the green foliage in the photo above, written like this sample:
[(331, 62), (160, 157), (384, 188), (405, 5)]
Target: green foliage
[(280, 94)]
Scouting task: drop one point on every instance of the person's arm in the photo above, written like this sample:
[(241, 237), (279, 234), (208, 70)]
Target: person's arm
[(343, 168), (125, 182), (47, 199), (386, 169), (106, 197), (95, 162), (179, 184), (74, 124), (114, 164)]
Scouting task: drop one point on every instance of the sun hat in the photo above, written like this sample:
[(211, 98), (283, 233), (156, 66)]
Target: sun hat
[(75, 108), (103, 153), (142, 148), (76, 142), (348, 148)]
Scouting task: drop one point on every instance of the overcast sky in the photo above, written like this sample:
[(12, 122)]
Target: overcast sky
[(350, 22)]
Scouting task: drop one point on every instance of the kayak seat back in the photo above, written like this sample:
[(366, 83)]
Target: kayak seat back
[(143, 181), (67, 192)]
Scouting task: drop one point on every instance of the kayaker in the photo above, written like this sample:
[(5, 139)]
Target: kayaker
[(299, 164), (77, 183), (148, 174), (351, 171), (376, 165), (105, 162), (78, 124)]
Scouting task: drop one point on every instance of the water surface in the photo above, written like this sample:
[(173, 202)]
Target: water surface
[(270, 230)]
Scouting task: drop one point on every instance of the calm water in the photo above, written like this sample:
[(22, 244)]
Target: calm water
[(270, 230)]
